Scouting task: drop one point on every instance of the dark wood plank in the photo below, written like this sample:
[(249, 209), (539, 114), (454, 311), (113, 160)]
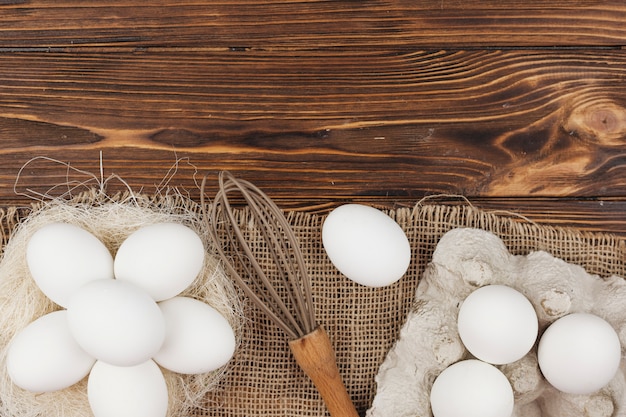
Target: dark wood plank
[(307, 24), (54, 179), (326, 125), (606, 215), (603, 215), (241, 93)]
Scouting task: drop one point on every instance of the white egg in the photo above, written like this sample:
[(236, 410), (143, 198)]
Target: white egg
[(198, 338), (497, 324), (471, 388), (579, 353), (129, 391), (366, 245), (44, 357), (116, 322), (163, 259), (62, 257)]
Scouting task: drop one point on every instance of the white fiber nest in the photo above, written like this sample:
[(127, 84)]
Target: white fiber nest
[(111, 220)]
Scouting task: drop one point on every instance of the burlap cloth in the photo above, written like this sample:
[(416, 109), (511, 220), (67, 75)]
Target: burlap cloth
[(363, 323)]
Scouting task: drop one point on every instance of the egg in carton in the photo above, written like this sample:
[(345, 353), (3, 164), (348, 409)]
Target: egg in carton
[(465, 260)]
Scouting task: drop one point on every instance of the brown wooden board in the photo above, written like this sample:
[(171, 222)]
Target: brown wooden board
[(310, 24), (480, 123)]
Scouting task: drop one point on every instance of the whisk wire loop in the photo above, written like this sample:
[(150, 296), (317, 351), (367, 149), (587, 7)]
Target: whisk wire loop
[(293, 312), (282, 261)]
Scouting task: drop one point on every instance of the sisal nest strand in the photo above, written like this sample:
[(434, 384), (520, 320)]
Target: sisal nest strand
[(111, 219)]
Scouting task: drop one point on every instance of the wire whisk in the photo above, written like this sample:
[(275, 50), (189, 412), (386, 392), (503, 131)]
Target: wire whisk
[(279, 286)]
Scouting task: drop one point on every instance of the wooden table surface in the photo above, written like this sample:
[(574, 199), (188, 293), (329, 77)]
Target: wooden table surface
[(516, 105)]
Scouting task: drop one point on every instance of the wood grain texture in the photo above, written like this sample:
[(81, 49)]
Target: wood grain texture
[(330, 125), (321, 102), (306, 24)]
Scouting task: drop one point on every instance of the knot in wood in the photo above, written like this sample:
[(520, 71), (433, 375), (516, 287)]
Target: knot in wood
[(602, 122)]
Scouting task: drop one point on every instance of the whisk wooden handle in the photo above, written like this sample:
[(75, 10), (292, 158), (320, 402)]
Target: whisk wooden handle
[(315, 355)]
